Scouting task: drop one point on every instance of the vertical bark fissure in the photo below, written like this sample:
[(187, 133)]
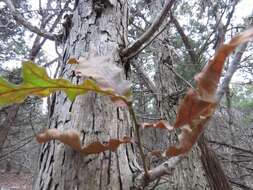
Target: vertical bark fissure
[(109, 168), (119, 173)]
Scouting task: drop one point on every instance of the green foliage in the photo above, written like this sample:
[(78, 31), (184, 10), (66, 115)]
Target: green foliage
[(243, 97)]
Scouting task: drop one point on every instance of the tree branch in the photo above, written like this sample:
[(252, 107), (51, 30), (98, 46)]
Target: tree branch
[(166, 168), (185, 40), (138, 136), (240, 185), (150, 32), (231, 146), (233, 66), (146, 79), (37, 44), (19, 19), (230, 71), (145, 44)]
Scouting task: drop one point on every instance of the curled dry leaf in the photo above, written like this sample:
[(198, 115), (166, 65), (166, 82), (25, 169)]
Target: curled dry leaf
[(208, 78), (199, 104), (192, 107), (71, 138), (106, 74), (187, 138)]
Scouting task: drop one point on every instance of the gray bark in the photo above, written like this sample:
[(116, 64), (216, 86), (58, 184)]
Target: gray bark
[(94, 116)]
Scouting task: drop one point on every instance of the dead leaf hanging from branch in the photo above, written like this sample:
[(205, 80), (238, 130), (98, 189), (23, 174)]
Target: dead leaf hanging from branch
[(71, 138), (199, 104)]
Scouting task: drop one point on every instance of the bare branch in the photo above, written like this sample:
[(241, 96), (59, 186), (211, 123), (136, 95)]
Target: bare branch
[(146, 79), (166, 168), (241, 185), (138, 136), (231, 70), (180, 77), (150, 32), (185, 40), (231, 146), (37, 44), (50, 62), (19, 19), (143, 46)]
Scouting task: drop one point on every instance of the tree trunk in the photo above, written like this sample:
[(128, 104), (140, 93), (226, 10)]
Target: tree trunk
[(6, 125), (100, 26), (189, 173), (214, 172)]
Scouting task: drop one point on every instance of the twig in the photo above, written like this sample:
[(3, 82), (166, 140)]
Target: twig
[(19, 18), (139, 143), (18, 143), (150, 32), (240, 185), (50, 62), (185, 40), (231, 146), (181, 77), (146, 79), (165, 168), (2, 157), (143, 46), (37, 46)]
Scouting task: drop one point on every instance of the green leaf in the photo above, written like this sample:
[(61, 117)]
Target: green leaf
[(37, 83)]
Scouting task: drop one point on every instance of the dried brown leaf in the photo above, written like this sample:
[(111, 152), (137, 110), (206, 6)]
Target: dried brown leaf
[(103, 71), (199, 105), (72, 60), (159, 125), (193, 108), (187, 138), (209, 77), (71, 138)]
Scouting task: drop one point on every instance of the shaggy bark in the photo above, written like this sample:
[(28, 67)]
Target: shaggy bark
[(94, 116)]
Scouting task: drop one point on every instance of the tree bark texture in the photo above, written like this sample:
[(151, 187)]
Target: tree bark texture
[(99, 26), (214, 172)]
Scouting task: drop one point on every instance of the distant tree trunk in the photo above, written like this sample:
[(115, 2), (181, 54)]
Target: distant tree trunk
[(189, 174), (100, 26), (214, 172), (7, 123)]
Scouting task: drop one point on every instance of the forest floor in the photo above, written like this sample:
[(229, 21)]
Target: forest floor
[(14, 181)]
